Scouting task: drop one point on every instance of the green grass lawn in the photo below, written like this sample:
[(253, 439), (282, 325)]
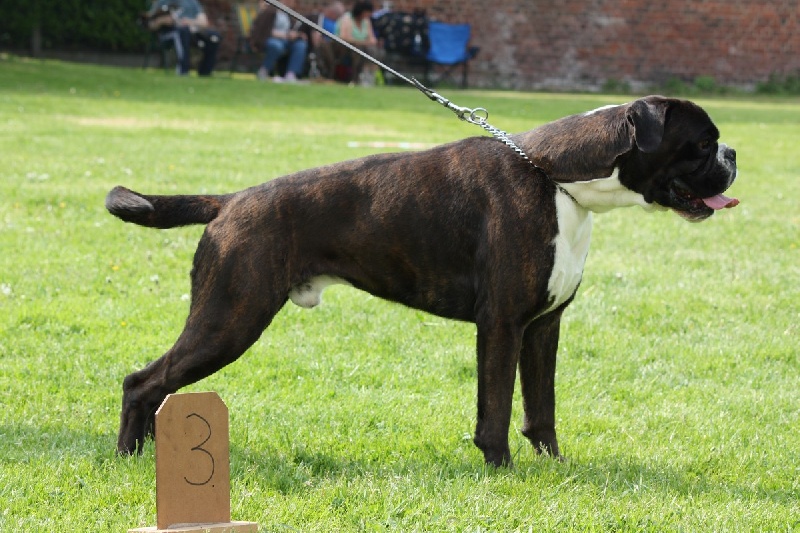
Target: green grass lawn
[(678, 381)]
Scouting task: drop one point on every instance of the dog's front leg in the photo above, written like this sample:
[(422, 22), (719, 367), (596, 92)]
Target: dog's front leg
[(141, 396), (537, 369), (498, 352)]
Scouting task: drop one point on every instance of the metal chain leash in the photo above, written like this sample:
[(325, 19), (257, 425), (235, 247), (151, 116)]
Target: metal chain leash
[(478, 116)]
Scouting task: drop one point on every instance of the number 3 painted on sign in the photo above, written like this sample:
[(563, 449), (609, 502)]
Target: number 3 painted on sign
[(199, 448), (192, 460)]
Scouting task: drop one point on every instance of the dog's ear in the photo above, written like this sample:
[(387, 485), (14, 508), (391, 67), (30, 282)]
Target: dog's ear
[(647, 117)]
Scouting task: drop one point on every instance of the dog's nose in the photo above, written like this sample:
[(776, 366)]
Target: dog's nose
[(728, 153)]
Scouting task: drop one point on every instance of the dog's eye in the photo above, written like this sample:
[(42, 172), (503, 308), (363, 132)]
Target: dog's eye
[(704, 144)]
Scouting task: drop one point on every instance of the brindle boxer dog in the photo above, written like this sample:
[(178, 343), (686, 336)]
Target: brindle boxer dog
[(467, 231)]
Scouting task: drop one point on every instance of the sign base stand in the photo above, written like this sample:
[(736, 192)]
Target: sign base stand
[(226, 527)]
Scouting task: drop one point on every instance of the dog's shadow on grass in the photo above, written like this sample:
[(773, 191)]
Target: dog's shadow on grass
[(47, 441), (301, 469), (620, 474), (287, 473)]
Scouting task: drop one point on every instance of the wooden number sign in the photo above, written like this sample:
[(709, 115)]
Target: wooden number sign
[(193, 466)]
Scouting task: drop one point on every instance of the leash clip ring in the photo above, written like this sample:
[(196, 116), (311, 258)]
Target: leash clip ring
[(478, 116), (464, 113)]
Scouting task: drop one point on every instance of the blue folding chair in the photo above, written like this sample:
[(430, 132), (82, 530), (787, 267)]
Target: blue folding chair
[(449, 47)]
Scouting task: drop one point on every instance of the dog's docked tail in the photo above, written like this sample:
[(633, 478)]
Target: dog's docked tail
[(162, 211)]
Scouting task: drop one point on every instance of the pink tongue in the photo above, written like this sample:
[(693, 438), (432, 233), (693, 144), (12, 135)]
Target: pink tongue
[(720, 201)]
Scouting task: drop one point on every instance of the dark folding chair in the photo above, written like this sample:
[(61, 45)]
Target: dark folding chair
[(156, 46), (165, 38), (449, 48)]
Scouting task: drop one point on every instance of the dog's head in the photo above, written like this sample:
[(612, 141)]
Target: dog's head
[(677, 161), (655, 152)]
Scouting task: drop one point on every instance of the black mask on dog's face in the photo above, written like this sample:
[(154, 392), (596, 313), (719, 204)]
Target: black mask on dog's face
[(677, 149)]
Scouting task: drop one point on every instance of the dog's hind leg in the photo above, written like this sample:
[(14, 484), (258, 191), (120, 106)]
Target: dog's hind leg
[(537, 369), (231, 307), (498, 352)]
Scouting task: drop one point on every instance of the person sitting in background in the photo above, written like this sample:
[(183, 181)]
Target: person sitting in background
[(186, 24), (321, 45), (355, 27), (275, 33)]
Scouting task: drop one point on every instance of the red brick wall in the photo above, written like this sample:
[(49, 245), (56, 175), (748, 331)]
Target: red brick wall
[(581, 44)]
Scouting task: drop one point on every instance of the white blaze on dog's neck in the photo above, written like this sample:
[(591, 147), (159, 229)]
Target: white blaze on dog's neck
[(601, 108), (605, 194), (575, 203), (571, 248)]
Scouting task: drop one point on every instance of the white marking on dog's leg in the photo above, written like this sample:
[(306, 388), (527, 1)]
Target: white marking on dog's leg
[(309, 294)]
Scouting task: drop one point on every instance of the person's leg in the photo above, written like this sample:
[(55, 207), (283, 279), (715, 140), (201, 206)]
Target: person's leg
[(183, 43), (358, 64), (326, 58), (368, 68), (210, 44), (275, 48), (297, 57)]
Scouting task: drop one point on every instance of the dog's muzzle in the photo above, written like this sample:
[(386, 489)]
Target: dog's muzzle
[(695, 207)]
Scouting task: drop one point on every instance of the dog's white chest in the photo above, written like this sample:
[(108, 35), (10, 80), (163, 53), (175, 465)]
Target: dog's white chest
[(571, 247)]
